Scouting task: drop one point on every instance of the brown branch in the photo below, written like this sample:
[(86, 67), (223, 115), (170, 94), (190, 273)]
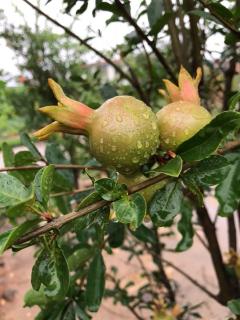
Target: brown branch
[(59, 222), (227, 290), (196, 39), (187, 276), (56, 166), (86, 44), (178, 50), (232, 235), (224, 22), (144, 37)]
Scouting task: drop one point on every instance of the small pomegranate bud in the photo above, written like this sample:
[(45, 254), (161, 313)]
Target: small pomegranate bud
[(183, 117), (123, 133)]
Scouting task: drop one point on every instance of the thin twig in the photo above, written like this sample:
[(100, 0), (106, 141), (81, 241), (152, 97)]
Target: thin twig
[(85, 43), (69, 193), (144, 37), (56, 166), (201, 240), (187, 276)]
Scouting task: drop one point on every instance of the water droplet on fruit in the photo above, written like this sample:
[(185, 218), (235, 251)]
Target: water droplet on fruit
[(139, 144), (146, 115), (154, 126), (119, 118), (186, 131)]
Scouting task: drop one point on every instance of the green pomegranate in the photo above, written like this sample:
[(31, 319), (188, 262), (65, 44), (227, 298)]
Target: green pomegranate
[(123, 133), (138, 177), (183, 117)]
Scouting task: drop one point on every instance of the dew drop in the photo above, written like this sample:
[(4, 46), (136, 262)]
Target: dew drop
[(154, 126), (146, 115), (119, 118)]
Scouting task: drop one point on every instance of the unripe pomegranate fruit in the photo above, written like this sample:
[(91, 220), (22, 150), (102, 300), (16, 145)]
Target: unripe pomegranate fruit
[(183, 117), (123, 132)]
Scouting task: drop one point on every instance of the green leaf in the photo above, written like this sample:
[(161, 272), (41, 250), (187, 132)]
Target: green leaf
[(116, 234), (207, 140), (12, 191), (221, 10), (130, 210), (234, 306), (55, 154), (27, 142), (81, 313), (166, 204), (233, 103), (51, 271), (172, 168), (203, 14), (154, 11), (8, 155), (145, 234), (185, 227), (228, 191), (43, 184), (8, 238), (109, 189), (89, 199), (79, 257), (23, 158), (33, 298), (208, 172), (95, 283), (160, 23)]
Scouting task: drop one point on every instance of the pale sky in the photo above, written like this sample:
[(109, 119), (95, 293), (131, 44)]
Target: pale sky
[(111, 35)]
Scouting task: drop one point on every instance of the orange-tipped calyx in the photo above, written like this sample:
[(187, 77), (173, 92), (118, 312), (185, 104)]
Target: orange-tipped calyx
[(70, 116), (187, 89)]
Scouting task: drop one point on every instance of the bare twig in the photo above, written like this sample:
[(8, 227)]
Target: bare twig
[(56, 166), (187, 276), (69, 193)]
